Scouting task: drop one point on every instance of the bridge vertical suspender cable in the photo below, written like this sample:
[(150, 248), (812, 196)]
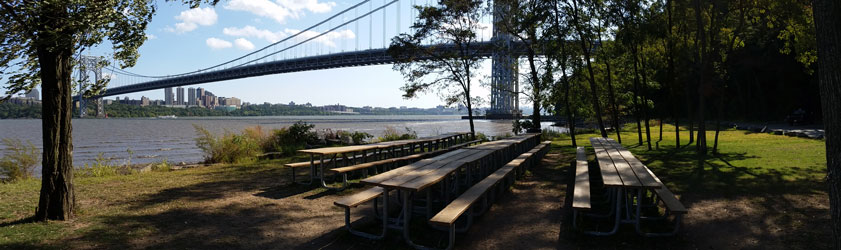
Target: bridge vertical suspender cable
[(384, 22)]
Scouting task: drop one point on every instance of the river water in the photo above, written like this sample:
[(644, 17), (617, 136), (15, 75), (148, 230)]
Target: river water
[(153, 140)]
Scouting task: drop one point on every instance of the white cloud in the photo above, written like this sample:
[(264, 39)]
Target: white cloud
[(192, 18), (327, 39), (251, 31), (280, 10), (216, 43), (151, 37), (243, 44)]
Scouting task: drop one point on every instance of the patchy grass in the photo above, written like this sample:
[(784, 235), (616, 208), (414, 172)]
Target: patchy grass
[(102, 198), (746, 163)]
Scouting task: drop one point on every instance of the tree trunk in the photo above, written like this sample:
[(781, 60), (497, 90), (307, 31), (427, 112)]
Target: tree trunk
[(644, 96), (828, 33), (57, 199), (670, 73), (638, 108), (570, 115), (701, 145), (611, 96), (535, 116)]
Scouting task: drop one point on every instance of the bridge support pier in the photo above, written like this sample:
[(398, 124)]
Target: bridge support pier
[(82, 107), (505, 103), (100, 107)]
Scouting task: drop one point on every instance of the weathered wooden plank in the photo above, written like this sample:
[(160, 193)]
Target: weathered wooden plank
[(457, 207), (642, 172), (629, 178), (581, 191), (359, 198), (408, 168), (610, 176), (398, 181), (337, 150)]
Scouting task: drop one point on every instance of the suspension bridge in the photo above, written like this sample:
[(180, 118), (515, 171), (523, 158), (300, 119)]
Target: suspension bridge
[(314, 49)]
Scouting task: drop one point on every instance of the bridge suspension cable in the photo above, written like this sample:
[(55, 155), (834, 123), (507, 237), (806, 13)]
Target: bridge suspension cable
[(272, 45)]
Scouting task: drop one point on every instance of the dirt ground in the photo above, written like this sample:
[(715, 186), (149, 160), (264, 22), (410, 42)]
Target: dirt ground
[(265, 212)]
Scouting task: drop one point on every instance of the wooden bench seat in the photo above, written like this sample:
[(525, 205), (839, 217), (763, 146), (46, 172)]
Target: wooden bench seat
[(357, 199), (581, 192), (361, 166), (448, 216)]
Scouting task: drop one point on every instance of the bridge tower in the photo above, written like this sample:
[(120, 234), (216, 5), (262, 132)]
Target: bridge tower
[(504, 85), (86, 65)]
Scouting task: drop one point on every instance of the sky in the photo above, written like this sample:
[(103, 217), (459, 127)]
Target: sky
[(182, 40)]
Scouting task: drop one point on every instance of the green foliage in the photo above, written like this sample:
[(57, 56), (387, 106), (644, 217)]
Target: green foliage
[(548, 134), (101, 167), (355, 137), (391, 134), (14, 111), (481, 136), (163, 166), (449, 73), (290, 139), (227, 148), (19, 161)]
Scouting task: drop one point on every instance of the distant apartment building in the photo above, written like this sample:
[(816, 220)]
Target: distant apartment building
[(179, 96), (191, 97), (334, 108), (230, 102), (34, 94), (24, 101), (144, 101), (168, 97)]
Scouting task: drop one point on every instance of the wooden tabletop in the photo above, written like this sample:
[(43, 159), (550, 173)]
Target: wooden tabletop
[(337, 150), (348, 149), (422, 174), (619, 167)]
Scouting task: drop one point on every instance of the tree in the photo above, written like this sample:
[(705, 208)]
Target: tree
[(828, 32), (37, 45), (581, 23), (525, 22), (450, 23)]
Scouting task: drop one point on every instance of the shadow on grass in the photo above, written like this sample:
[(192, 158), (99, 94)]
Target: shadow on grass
[(731, 206)]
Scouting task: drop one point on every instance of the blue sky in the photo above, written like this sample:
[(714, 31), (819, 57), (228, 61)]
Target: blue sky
[(182, 40)]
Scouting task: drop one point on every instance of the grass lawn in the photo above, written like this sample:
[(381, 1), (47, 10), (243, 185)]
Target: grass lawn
[(746, 163), (770, 181)]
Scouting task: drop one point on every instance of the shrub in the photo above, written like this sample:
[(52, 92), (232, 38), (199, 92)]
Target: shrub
[(230, 147), (20, 161), (360, 137), (391, 134), (164, 166), (482, 136), (549, 134), (99, 168), (290, 139)]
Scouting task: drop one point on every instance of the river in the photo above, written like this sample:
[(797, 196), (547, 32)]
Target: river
[(153, 140)]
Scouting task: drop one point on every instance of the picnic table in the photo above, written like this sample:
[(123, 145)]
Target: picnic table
[(421, 176), (627, 180), (364, 153)]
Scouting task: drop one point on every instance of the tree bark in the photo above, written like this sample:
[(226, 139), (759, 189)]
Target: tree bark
[(57, 198), (638, 108), (644, 96), (670, 74), (701, 146), (535, 116), (611, 96), (828, 33)]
